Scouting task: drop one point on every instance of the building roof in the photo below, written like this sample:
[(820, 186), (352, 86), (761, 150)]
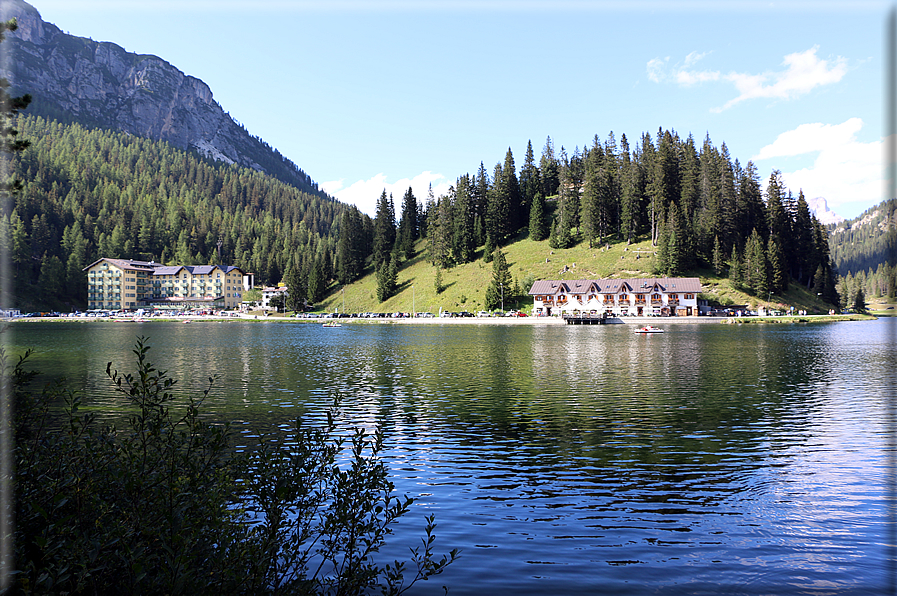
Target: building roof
[(167, 270), (613, 286), (127, 264), (159, 269)]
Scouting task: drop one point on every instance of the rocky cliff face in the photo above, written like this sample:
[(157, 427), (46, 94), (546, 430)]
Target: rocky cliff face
[(819, 207), (102, 85)]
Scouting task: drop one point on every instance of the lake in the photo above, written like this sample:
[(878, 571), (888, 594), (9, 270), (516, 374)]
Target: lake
[(739, 459)]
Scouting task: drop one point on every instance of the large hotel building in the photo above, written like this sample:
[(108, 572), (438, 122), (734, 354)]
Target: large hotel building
[(120, 284)]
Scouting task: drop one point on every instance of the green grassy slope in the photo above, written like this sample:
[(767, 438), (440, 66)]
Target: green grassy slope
[(465, 285)]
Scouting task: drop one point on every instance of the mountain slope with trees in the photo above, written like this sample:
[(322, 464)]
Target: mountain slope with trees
[(698, 207), (91, 193), (864, 251)]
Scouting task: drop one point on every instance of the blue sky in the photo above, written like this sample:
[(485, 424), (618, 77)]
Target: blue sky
[(367, 95)]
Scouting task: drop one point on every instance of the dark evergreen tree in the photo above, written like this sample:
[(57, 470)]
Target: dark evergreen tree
[(387, 279), (537, 226), (778, 278), (464, 238), (316, 281), (497, 211), (438, 285), (350, 246), (384, 229), (803, 254), (756, 276), (717, 257), (408, 228), (530, 182), (750, 210), (629, 203), (501, 281), (736, 269), (296, 289), (776, 217), (515, 214), (549, 170), (440, 234), (859, 300)]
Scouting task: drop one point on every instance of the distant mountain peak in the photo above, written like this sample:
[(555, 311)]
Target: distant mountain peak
[(819, 207)]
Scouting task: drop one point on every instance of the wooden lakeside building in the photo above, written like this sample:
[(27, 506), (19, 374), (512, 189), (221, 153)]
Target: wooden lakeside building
[(600, 298)]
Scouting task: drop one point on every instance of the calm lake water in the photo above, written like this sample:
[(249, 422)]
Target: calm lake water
[(710, 459)]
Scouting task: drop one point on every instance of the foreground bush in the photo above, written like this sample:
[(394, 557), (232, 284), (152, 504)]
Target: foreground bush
[(164, 506)]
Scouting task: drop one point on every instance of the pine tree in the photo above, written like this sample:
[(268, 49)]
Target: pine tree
[(756, 276), (387, 278), (674, 243), (717, 257), (628, 193), (662, 260), (548, 169), (530, 184), (408, 228), (500, 285), (537, 230), (295, 296), (736, 271), (384, 229), (52, 276), (463, 241), (438, 285), (778, 278), (859, 300), (350, 248), (591, 205), (803, 256)]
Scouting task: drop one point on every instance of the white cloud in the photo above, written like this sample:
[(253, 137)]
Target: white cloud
[(848, 173), (686, 78), (365, 193), (694, 57), (656, 67), (804, 72), (657, 70)]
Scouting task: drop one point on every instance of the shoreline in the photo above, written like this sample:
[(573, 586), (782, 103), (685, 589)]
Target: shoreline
[(531, 321)]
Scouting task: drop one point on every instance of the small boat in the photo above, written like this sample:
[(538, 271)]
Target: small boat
[(331, 324), (648, 329)]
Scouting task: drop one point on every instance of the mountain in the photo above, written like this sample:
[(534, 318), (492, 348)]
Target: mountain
[(101, 85), (867, 241), (819, 208)]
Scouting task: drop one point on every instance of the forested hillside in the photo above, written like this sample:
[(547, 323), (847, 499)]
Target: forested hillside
[(96, 193), (93, 193), (697, 205), (864, 251)]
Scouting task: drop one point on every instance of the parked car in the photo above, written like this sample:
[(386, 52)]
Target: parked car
[(484, 313)]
